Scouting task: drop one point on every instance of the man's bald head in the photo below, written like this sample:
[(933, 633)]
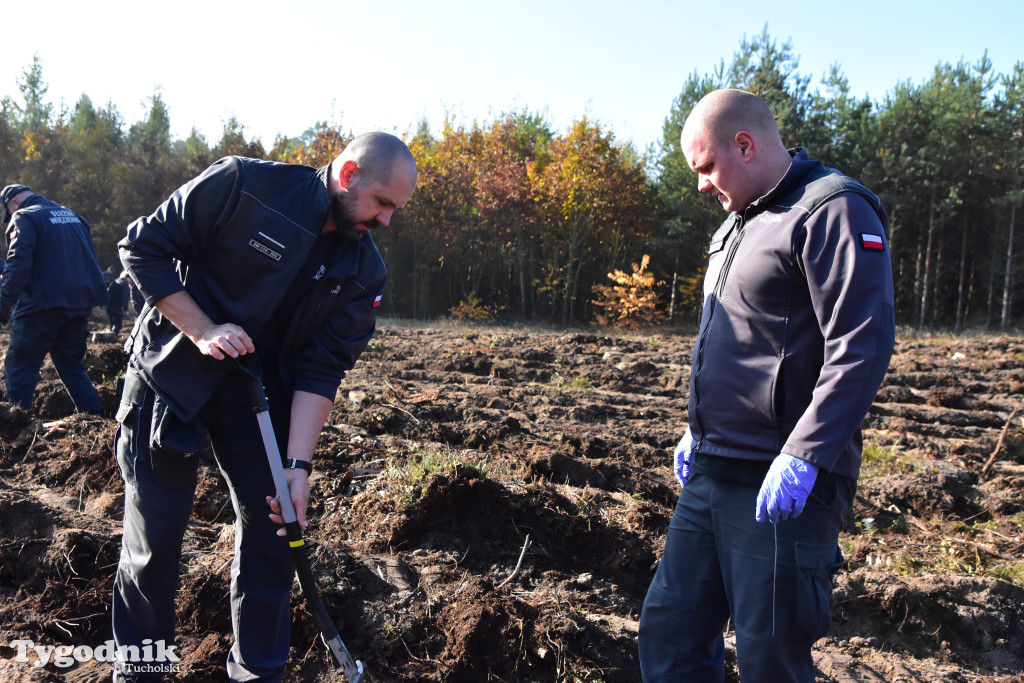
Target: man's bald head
[(377, 155), (374, 176), (731, 141), (720, 114)]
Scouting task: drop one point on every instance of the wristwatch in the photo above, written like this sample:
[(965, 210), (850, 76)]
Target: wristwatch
[(293, 464)]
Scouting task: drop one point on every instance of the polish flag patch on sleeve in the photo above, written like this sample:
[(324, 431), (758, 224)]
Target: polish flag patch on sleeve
[(376, 301), (872, 242)]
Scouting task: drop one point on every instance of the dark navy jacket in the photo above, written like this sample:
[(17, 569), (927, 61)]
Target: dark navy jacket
[(798, 324), (51, 261), (235, 237)]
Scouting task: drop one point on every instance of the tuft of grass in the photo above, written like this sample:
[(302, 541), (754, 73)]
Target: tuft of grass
[(975, 528), (582, 383), (955, 558), (559, 382), (855, 549), (410, 482), (880, 461), (906, 564), (611, 508), (1014, 573)]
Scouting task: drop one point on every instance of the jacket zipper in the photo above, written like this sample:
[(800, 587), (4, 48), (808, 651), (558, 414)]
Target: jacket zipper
[(719, 287)]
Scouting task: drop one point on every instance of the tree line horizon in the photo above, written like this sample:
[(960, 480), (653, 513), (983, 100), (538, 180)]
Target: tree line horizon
[(513, 221)]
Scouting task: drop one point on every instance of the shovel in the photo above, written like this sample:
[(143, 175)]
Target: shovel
[(353, 669)]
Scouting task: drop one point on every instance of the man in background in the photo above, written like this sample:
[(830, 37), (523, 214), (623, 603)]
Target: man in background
[(795, 338), (250, 258), (118, 296), (50, 286)]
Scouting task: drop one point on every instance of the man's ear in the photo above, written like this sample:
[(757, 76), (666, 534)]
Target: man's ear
[(349, 170), (745, 143)]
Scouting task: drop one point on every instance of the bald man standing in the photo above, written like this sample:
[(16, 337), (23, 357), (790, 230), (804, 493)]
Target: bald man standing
[(795, 338), (251, 257)]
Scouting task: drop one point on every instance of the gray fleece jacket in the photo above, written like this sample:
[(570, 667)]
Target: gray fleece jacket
[(798, 324)]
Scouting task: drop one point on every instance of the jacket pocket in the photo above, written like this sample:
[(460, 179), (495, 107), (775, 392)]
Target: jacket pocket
[(180, 373), (170, 435), (776, 409), (166, 432)]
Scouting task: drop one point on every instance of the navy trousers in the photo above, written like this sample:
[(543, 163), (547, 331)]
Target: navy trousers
[(62, 333), (116, 316), (159, 491), (775, 582)]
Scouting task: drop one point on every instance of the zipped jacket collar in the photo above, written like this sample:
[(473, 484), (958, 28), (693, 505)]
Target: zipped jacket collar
[(793, 178)]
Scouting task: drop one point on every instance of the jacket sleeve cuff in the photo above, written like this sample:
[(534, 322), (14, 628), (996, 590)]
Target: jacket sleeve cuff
[(327, 389), (163, 292)]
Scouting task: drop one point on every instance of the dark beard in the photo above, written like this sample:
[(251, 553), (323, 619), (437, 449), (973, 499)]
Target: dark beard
[(343, 222)]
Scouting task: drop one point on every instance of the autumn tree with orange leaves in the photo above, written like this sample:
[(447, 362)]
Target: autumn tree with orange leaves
[(632, 302)]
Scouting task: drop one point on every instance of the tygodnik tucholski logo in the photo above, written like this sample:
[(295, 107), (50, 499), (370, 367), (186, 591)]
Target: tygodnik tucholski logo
[(151, 657)]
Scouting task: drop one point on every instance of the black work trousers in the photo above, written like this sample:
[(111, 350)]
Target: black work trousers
[(159, 490)]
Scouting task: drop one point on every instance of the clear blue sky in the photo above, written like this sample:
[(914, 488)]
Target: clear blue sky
[(279, 67)]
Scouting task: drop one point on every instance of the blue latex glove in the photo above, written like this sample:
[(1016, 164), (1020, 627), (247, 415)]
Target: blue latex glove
[(785, 489), (682, 458)]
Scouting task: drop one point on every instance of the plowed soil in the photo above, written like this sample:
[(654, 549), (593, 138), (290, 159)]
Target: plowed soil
[(490, 505)]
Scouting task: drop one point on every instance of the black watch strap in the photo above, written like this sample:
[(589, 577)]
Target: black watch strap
[(293, 464)]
